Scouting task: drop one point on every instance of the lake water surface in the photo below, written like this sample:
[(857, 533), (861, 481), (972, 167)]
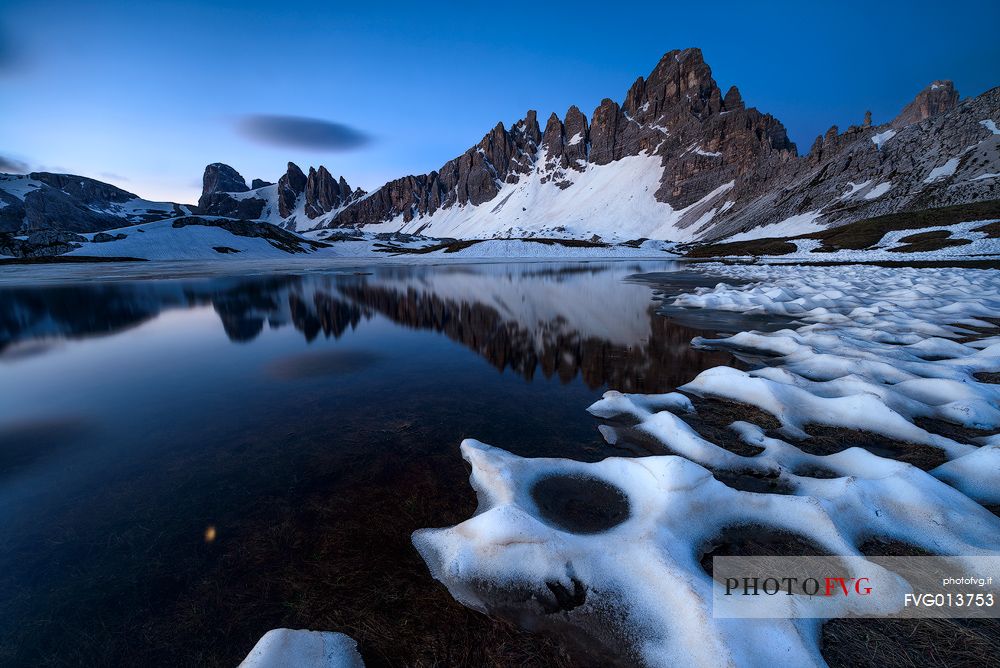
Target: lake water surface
[(187, 463)]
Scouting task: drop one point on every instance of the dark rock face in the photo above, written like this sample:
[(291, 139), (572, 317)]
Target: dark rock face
[(103, 237), (260, 183), (68, 202), (937, 98), (88, 191), (52, 209), (224, 204), (577, 133), (733, 100), (324, 193), (40, 244), (220, 178), (291, 184), (218, 182), (11, 212)]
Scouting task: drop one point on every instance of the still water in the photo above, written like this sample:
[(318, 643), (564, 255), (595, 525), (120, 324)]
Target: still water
[(187, 463)]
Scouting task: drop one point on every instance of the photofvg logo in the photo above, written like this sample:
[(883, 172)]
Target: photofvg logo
[(771, 586), (847, 586)]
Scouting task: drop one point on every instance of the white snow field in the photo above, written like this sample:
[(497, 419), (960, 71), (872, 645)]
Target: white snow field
[(870, 349), (281, 648)]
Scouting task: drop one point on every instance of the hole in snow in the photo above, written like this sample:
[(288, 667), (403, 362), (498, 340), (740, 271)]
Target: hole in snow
[(580, 504)]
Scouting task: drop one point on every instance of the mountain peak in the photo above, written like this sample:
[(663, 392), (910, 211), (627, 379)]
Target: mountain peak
[(220, 178), (291, 184), (682, 78), (323, 193), (733, 99), (940, 96)]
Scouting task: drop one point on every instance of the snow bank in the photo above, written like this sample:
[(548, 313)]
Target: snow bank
[(280, 648), (873, 349)]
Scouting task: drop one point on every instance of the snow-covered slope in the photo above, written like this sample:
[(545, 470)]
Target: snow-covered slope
[(614, 202)]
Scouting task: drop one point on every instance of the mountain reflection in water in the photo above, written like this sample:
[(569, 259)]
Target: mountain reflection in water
[(560, 321)]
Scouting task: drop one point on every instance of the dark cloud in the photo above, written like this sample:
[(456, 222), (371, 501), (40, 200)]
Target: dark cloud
[(13, 166), (298, 132)]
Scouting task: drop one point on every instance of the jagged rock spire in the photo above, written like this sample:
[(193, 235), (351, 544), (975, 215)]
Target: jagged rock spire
[(291, 184), (938, 97), (323, 193)]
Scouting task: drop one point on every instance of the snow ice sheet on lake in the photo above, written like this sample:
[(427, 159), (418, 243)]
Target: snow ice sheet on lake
[(871, 349)]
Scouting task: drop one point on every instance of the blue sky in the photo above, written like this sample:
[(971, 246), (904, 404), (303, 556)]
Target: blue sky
[(145, 93)]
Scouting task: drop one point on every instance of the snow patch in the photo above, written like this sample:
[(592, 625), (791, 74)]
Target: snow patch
[(882, 137), (793, 226), (878, 190), (944, 171), (853, 188), (711, 154)]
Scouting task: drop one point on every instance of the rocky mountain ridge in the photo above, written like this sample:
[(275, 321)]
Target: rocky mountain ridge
[(677, 159), (712, 167), (43, 201)]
